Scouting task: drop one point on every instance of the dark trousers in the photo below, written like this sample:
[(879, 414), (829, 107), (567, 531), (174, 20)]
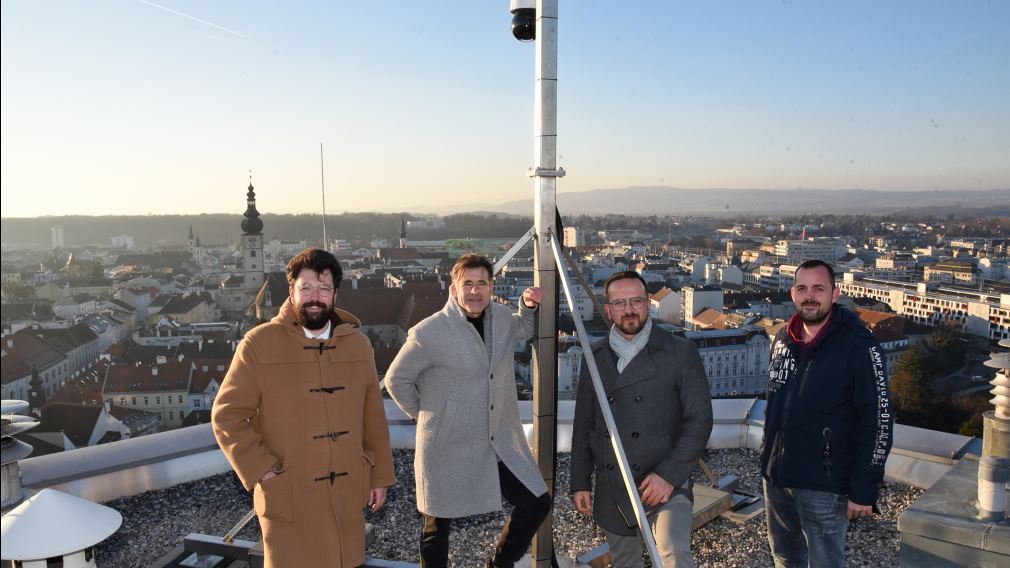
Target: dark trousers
[(529, 511)]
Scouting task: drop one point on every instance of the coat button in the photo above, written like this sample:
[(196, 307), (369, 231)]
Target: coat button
[(610, 466), (492, 407), (492, 376), (492, 438), (638, 399), (634, 434), (610, 399), (635, 467)]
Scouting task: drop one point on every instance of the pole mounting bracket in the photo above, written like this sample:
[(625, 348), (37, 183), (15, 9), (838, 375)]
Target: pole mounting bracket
[(545, 172)]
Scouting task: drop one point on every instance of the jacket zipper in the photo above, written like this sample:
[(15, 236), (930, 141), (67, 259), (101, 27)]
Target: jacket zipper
[(826, 433), (785, 419)]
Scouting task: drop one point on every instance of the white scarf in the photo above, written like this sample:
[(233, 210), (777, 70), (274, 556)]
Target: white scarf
[(627, 349)]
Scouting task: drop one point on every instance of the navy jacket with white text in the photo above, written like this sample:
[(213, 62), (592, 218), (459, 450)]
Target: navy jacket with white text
[(829, 422)]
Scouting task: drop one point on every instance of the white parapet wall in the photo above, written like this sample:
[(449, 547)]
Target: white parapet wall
[(129, 467)]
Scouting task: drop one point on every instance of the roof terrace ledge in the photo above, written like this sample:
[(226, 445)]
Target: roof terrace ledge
[(128, 467), (101, 473)]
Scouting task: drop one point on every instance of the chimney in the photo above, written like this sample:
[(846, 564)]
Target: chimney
[(14, 450), (994, 466)]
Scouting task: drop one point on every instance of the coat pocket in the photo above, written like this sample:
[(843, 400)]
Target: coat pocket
[(367, 463), (272, 499), (445, 423)]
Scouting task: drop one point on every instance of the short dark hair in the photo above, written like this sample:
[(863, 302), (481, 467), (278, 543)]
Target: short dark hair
[(316, 260), (624, 275), (472, 260), (816, 263)]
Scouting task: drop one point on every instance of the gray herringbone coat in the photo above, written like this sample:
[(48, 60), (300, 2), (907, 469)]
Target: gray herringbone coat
[(464, 401), (663, 413)]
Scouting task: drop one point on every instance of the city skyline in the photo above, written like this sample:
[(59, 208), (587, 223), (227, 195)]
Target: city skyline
[(143, 107)]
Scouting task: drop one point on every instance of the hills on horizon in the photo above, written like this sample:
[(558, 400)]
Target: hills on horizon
[(665, 200), (514, 217)]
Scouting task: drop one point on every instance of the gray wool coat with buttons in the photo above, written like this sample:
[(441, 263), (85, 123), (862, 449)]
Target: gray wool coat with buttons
[(463, 396), (663, 412)]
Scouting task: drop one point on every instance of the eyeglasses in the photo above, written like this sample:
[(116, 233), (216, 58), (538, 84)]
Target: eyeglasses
[(306, 288), (623, 303)]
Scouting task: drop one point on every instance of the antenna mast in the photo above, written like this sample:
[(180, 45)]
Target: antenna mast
[(322, 178)]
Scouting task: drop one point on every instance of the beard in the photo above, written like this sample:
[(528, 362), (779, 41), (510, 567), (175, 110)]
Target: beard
[(313, 322), (630, 324), (816, 317)]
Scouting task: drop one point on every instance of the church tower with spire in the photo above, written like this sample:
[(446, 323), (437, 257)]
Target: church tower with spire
[(195, 248), (252, 242), (403, 233)]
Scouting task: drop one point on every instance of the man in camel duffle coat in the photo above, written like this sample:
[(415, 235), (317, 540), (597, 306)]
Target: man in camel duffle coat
[(455, 375), (301, 420)]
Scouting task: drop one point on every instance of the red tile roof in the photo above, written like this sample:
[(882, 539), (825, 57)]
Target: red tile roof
[(32, 350), (422, 308), (12, 368), (373, 306), (76, 421), (206, 371), (85, 389), (171, 376)]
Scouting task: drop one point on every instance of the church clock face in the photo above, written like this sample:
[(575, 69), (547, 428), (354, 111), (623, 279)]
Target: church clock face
[(252, 241)]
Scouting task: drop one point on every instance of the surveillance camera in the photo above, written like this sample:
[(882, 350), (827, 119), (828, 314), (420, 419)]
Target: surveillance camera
[(524, 19)]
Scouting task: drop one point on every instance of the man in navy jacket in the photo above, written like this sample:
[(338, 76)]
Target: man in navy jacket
[(828, 425)]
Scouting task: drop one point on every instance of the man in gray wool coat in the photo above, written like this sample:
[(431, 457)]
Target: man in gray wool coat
[(455, 375), (658, 393)]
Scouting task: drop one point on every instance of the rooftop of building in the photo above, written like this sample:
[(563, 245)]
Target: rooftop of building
[(159, 377), (171, 484), (213, 505), (76, 421)]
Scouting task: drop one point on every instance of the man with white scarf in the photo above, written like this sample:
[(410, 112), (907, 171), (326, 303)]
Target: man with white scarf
[(658, 393)]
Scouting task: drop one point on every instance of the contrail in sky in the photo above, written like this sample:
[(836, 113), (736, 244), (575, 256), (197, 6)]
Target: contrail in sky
[(177, 13)]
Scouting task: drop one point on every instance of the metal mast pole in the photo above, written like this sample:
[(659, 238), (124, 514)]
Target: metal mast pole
[(545, 346), (322, 180)]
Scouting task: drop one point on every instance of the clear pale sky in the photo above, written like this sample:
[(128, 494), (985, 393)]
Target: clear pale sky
[(129, 106)]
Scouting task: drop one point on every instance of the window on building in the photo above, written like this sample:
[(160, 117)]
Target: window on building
[(196, 403), (171, 415), (133, 401), (146, 401), (180, 399), (157, 400)]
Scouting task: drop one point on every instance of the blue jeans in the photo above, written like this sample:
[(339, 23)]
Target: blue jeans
[(806, 527)]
